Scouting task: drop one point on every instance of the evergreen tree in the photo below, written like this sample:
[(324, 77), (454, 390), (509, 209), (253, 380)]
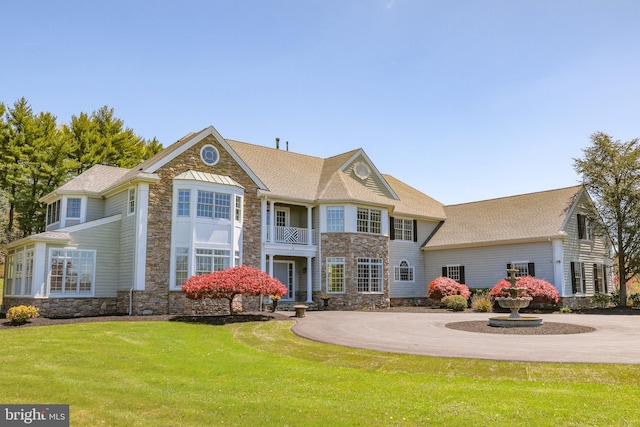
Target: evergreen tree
[(611, 173)]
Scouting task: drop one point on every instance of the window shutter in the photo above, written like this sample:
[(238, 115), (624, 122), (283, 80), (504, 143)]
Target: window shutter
[(444, 271), (462, 275), (604, 279), (415, 230), (532, 269), (581, 226), (392, 228), (573, 278)]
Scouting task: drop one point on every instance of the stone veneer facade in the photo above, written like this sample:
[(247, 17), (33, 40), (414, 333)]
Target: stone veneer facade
[(67, 307), (352, 246), (157, 298)]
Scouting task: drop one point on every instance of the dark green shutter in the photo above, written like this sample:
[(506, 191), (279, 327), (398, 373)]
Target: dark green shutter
[(392, 228), (444, 271), (415, 230), (532, 269), (462, 275)]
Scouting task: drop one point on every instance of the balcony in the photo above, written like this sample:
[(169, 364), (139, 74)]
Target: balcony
[(292, 236)]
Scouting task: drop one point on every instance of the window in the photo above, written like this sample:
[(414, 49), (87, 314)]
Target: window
[(184, 203), (238, 208), (335, 219), (209, 155), (223, 206), (335, 274), (403, 229), (210, 260), (8, 275), (403, 272), (369, 275), (236, 259), (19, 273), (584, 228), (131, 206), (455, 272), (525, 268), (73, 208), (214, 205), (72, 271), (53, 212), (205, 204), (577, 277), (369, 220), (182, 266), (597, 279)]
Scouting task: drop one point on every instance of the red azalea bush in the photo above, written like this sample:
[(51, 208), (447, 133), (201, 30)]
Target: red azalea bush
[(540, 290), (231, 282), (443, 286)]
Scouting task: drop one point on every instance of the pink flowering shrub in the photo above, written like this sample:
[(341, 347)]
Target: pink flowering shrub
[(443, 286), (540, 290), (231, 282)]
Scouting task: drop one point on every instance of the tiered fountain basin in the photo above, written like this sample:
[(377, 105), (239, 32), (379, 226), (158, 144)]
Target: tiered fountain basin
[(514, 303)]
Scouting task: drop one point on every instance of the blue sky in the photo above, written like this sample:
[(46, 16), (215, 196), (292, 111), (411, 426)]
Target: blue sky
[(464, 100)]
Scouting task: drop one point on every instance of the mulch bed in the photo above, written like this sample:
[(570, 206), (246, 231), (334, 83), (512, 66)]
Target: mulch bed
[(547, 328)]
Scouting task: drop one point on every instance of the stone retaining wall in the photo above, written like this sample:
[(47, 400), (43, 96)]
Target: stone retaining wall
[(67, 307)]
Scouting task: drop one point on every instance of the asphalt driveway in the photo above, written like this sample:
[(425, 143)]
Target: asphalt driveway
[(616, 338)]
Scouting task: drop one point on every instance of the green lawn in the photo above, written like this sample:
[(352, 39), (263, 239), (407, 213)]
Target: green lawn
[(169, 373)]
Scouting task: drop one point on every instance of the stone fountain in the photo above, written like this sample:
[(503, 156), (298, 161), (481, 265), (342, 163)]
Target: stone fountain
[(514, 303)]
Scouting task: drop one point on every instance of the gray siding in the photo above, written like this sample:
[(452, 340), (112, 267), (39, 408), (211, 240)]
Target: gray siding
[(116, 204), (95, 209), (410, 251), (595, 251), (485, 266), (105, 239)]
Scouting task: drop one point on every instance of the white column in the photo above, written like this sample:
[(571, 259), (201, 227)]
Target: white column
[(263, 235), (309, 226), (309, 283), (270, 265), (40, 269), (558, 265), (140, 255), (272, 217)]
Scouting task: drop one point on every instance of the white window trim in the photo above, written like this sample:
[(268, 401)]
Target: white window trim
[(336, 261), (370, 262), (397, 272), (204, 147), (448, 266), (519, 273), (343, 219), (369, 221), (72, 294), (404, 228), (131, 201)]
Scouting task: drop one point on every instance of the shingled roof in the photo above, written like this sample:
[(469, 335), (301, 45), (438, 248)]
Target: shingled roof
[(527, 217)]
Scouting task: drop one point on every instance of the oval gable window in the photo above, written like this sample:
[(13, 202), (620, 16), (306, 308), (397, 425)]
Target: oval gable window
[(209, 155)]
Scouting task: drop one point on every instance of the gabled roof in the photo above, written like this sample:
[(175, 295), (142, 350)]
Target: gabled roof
[(93, 181), (524, 218), (414, 203)]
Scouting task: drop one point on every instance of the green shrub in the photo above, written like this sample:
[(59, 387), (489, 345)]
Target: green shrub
[(601, 300), (455, 302), (20, 314), (481, 302), (634, 300), (565, 310)]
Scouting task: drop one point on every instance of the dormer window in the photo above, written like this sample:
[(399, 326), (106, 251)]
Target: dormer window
[(73, 208), (53, 212)]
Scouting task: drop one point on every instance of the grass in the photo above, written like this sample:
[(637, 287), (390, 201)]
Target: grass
[(170, 373)]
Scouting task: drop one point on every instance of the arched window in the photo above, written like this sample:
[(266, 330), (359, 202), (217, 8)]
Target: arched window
[(403, 272)]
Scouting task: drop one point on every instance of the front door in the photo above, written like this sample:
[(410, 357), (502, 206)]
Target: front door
[(284, 272)]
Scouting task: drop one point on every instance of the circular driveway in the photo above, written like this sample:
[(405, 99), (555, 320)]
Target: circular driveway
[(615, 340)]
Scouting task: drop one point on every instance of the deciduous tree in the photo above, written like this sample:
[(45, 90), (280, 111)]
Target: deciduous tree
[(233, 281), (611, 174)]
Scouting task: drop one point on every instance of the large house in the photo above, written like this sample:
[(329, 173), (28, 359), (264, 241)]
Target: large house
[(124, 240)]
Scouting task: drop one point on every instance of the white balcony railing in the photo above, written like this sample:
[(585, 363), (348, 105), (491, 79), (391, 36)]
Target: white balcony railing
[(291, 235)]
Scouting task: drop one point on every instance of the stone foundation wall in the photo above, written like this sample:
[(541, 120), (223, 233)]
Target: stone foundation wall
[(575, 303), (67, 307), (412, 302)]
